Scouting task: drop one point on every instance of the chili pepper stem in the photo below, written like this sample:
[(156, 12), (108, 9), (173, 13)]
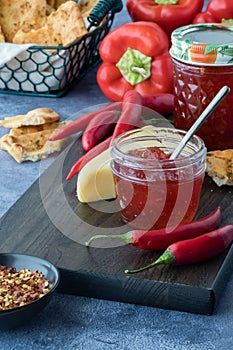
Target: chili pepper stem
[(126, 237), (167, 258)]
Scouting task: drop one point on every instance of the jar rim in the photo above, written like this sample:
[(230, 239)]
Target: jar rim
[(208, 44), (197, 150)]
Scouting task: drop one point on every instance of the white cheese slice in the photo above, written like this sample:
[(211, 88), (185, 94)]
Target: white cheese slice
[(95, 179)]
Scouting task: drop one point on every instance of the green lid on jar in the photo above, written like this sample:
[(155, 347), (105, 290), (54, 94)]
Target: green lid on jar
[(203, 44)]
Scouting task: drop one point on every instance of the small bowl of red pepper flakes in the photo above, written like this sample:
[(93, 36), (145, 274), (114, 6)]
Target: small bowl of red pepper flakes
[(27, 284)]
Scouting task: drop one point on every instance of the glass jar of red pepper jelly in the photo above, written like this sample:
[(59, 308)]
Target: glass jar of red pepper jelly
[(203, 63), (152, 190)]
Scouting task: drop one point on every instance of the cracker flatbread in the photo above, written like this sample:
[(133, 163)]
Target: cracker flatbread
[(51, 3), (59, 3), (2, 37), (219, 166), (63, 27), (87, 6), (32, 146), (37, 116), (24, 130), (56, 3), (21, 14), (49, 9)]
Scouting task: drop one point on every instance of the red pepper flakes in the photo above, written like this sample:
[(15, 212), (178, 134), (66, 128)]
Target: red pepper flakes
[(18, 288)]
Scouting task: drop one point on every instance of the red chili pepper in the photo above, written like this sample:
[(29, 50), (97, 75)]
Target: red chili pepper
[(100, 126), (82, 122), (131, 113), (162, 238), (160, 102), (100, 147), (169, 14), (194, 250)]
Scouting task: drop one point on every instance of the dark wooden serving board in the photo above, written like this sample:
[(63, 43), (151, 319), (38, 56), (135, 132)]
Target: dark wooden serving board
[(49, 222)]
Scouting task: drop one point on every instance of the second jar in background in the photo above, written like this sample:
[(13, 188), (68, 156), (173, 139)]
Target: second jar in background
[(203, 63)]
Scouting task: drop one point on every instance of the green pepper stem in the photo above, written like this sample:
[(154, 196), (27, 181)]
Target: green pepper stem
[(167, 258), (228, 21), (166, 2), (126, 237), (139, 70), (134, 66)]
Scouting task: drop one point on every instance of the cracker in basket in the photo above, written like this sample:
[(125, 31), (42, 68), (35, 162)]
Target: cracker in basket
[(51, 3), (87, 6), (63, 27), (2, 37), (32, 146), (21, 14), (49, 9), (55, 3), (219, 166), (67, 22), (59, 3), (37, 116)]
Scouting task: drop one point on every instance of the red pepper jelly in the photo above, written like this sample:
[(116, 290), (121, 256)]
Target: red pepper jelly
[(203, 63), (152, 190)]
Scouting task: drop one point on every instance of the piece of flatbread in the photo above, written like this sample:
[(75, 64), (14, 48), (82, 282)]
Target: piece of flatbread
[(219, 166), (32, 146), (21, 14), (87, 6), (36, 116), (51, 3), (2, 37), (63, 27), (59, 3), (24, 130), (49, 9), (56, 3)]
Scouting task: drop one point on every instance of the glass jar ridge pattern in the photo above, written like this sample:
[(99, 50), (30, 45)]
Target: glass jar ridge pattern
[(203, 63)]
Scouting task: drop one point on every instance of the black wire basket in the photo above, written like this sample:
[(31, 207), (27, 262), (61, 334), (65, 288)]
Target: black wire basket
[(51, 71)]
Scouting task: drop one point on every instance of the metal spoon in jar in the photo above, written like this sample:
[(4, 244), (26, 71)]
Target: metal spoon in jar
[(209, 109)]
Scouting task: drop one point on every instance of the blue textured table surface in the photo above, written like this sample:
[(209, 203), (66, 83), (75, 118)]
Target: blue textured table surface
[(71, 322)]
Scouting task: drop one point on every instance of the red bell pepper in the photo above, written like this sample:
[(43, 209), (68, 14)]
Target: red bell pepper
[(135, 57), (204, 17), (168, 14), (216, 12)]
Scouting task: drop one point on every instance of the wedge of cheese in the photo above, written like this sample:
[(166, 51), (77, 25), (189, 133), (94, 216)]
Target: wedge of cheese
[(95, 179)]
